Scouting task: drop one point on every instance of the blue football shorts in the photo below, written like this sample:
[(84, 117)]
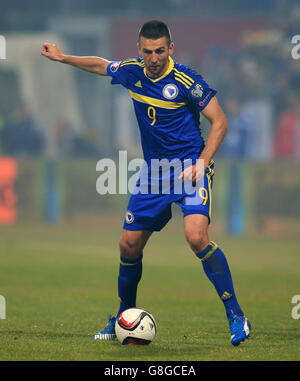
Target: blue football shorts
[(153, 211)]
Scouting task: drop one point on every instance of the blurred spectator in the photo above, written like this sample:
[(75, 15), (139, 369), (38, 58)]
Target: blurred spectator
[(260, 73), (85, 144), (24, 137), (72, 143), (239, 130), (287, 135), (65, 136)]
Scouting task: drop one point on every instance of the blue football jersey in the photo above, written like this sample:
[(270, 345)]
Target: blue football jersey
[(167, 108)]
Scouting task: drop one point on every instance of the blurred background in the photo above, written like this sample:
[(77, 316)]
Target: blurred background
[(57, 121)]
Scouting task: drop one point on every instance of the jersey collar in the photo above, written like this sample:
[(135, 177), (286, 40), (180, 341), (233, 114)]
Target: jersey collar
[(170, 68)]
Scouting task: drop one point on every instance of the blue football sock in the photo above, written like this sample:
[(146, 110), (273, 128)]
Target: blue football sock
[(130, 273), (217, 270)]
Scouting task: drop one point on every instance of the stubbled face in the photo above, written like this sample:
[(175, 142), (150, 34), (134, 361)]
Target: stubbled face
[(156, 55)]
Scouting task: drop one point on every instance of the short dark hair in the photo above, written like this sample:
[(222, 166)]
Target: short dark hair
[(154, 30)]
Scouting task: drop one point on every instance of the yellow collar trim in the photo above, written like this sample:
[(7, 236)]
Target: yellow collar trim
[(170, 68)]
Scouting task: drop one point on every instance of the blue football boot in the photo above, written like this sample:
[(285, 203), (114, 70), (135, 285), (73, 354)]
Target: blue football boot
[(240, 329), (108, 332)]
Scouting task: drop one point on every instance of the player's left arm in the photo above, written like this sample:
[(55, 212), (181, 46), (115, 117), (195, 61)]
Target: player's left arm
[(219, 125)]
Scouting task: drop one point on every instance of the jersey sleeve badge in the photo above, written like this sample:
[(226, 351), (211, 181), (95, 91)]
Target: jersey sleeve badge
[(200, 94), (197, 91), (115, 66)]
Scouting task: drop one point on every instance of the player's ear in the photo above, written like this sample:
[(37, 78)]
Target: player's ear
[(171, 48), (139, 47)]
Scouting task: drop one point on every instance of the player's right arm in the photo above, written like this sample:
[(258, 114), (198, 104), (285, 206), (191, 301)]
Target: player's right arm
[(96, 65)]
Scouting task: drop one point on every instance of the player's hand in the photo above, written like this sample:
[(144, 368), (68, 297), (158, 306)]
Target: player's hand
[(193, 173), (52, 52)]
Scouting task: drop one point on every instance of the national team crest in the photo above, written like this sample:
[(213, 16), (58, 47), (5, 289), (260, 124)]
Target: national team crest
[(170, 91), (129, 217)]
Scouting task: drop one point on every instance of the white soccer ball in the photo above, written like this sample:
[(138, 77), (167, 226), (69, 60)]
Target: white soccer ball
[(135, 326)]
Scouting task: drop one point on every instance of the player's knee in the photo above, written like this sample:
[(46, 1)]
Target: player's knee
[(129, 248), (197, 239)]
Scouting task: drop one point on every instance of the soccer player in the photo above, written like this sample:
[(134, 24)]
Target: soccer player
[(168, 99)]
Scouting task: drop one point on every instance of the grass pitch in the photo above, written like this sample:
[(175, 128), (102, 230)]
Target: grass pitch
[(60, 285)]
